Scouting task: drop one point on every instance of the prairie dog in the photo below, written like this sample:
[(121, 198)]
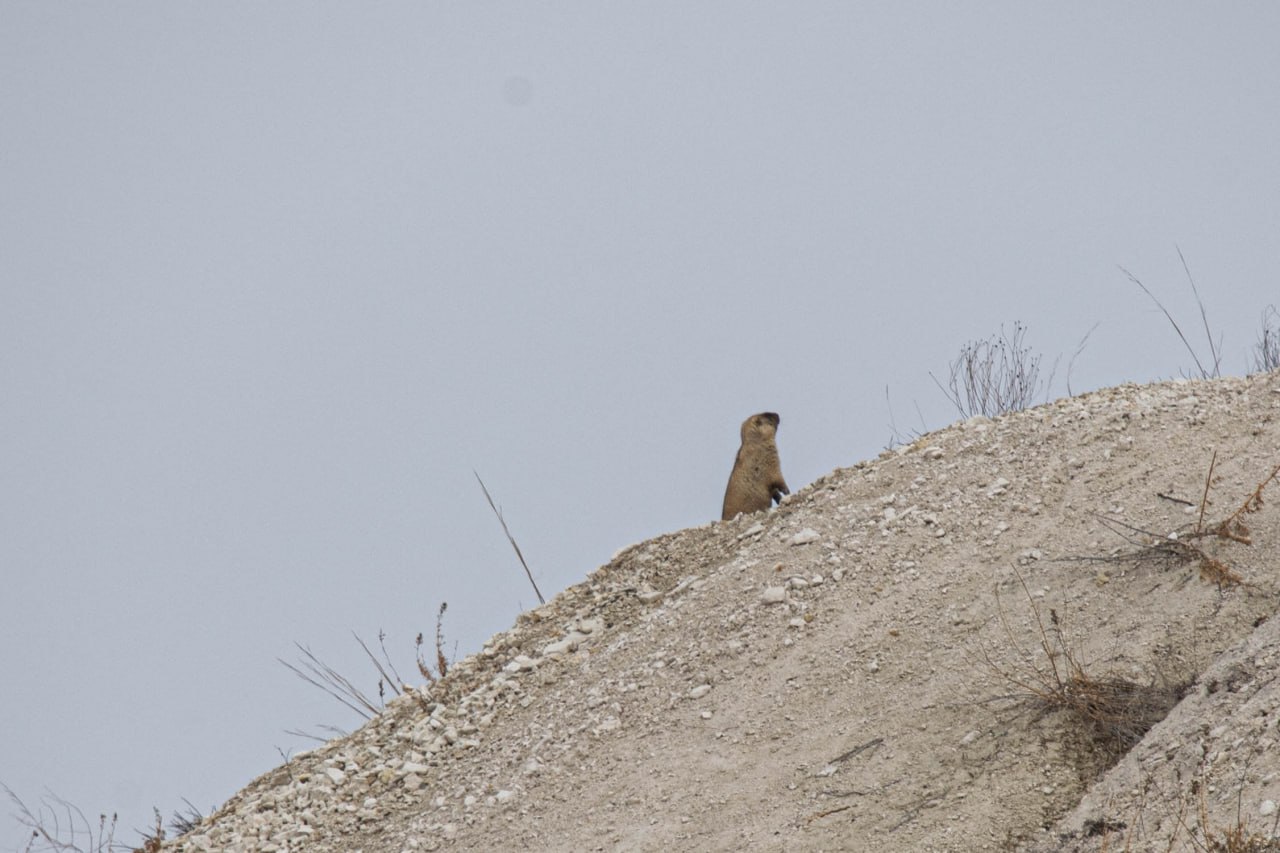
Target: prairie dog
[(756, 481)]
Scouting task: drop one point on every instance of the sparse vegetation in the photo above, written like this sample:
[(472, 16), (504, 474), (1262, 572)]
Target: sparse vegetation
[(183, 822), (1201, 833), (1266, 352), (1111, 711), (994, 376), (322, 676), (1185, 548), (442, 663), (57, 825), (1214, 358)]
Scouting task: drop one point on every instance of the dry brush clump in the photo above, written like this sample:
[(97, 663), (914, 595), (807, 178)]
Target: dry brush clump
[(324, 677), (1186, 548), (1110, 711), (994, 376)]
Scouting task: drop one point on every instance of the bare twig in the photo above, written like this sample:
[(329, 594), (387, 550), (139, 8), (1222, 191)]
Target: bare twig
[(510, 538), (1204, 499)]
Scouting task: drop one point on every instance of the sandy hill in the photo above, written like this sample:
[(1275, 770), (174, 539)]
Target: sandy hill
[(865, 667)]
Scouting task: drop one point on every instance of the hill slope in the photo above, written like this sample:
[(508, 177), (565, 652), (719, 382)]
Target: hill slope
[(840, 673)]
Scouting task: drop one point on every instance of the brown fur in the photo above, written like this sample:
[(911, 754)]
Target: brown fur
[(756, 481)]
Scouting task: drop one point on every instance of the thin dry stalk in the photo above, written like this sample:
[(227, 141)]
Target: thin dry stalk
[(1079, 349), (183, 822), (510, 538), (332, 682), (396, 684), (1214, 350), (442, 663)]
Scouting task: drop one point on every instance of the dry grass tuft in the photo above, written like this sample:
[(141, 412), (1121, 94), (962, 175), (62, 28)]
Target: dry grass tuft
[(1182, 549), (1112, 712)]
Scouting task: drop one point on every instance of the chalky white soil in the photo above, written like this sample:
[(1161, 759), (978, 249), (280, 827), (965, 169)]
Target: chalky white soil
[(840, 673)]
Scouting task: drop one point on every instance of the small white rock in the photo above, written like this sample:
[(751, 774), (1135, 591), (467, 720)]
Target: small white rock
[(700, 691), (837, 575), (521, 663), (774, 595), (335, 775), (1268, 807), (504, 795), (873, 665), (804, 537)]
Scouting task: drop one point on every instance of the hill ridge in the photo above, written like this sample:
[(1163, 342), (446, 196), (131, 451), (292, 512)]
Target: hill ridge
[(827, 675)]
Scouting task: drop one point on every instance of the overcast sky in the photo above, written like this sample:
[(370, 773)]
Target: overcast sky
[(275, 278)]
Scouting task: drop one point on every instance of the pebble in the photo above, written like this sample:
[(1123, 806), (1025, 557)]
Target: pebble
[(700, 691), (804, 537), (521, 663), (1267, 808), (774, 595)]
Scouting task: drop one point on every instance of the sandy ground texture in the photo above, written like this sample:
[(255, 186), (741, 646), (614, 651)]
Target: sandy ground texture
[(868, 667)]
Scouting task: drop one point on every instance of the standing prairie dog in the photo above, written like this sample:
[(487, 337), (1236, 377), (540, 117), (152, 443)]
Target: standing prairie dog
[(756, 481)]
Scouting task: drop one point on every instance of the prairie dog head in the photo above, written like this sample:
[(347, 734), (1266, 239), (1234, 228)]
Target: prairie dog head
[(761, 427)]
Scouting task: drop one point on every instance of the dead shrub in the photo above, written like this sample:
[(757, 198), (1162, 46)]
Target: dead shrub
[(994, 376), (1110, 712)]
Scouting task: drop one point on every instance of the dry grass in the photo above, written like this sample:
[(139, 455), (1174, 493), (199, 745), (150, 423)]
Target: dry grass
[(1110, 711), (1186, 548), (59, 826), (1215, 348), (311, 669)]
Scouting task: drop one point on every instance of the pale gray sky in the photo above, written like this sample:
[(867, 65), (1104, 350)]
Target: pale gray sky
[(274, 278)]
